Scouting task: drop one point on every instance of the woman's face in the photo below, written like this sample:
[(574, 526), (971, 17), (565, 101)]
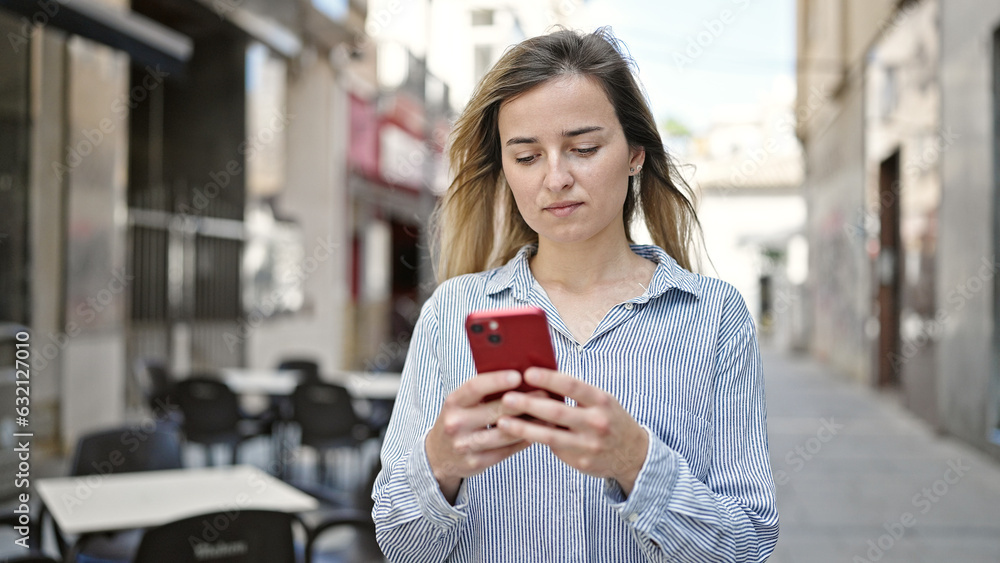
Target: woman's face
[(566, 159)]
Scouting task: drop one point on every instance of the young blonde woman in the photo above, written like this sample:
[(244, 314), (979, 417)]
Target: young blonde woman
[(659, 452)]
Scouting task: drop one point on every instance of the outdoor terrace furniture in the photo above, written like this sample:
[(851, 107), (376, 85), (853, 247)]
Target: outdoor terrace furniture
[(212, 415)]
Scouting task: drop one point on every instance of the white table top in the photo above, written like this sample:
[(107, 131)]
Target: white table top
[(372, 385), (361, 384), (260, 381), (152, 498)]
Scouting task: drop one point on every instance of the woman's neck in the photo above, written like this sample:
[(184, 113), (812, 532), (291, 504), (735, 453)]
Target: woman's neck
[(584, 266)]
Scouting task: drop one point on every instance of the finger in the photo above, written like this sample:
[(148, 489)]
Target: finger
[(493, 457), (543, 408), (483, 415), (475, 463), (537, 433), (563, 384), (472, 391), (465, 420), (485, 440)]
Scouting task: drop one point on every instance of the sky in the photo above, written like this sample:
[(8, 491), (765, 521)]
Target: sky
[(694, 57)]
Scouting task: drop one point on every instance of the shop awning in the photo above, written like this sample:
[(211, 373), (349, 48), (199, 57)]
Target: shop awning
[(145, 40)]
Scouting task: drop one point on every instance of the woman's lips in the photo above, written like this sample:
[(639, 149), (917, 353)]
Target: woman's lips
[(563, 210)]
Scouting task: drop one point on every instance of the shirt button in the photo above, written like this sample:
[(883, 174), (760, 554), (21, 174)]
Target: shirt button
[(633, 517), (579, 348), (628, 306)]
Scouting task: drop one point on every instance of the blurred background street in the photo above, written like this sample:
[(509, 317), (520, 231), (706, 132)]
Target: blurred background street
[(860, 478), (241, 191)]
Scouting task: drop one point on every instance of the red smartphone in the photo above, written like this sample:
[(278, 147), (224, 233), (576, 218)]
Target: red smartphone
[(503, 339)]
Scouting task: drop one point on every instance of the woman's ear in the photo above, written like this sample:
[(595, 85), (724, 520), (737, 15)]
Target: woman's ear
[(636, 157)]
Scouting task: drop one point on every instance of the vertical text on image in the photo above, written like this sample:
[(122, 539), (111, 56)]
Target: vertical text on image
[(22, 408)]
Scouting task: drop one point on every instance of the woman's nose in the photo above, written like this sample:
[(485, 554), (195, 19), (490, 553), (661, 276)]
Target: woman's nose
[(557, 176)]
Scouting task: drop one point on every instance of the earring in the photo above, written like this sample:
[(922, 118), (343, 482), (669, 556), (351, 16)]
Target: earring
[(638, 168), (631, 170)]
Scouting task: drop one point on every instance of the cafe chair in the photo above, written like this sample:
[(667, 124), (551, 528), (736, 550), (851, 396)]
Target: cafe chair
[(361, 547), (119, 450), (327, 421), (281, 406), (31, 559), (212, 415), (245, 536), (155, 381), (308, 369), (127, 449), (337, 512), (308, 373), (238, 536)]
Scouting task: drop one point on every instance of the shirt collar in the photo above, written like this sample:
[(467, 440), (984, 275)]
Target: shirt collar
[(516, 274)]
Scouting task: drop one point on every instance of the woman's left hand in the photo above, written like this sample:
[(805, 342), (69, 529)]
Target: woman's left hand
[(597, 437)]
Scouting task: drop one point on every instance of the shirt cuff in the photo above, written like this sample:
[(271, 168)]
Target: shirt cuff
[(425, 487), (652, 489)]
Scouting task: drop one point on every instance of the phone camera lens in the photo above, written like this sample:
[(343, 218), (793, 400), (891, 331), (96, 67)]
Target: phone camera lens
[(494, 338), (477, 328)]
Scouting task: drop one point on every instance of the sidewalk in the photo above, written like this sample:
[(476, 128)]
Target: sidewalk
[(859, 479)]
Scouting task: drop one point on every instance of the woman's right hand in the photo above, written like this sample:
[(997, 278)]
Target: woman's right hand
[(464, 440)]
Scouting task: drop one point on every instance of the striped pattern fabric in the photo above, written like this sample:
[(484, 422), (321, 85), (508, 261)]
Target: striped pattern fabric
[(682, 358)]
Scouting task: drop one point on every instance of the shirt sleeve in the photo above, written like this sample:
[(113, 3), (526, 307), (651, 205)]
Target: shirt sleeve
[(413, 520), (731, 516)]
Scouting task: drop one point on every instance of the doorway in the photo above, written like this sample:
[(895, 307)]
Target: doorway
[(888, 269)]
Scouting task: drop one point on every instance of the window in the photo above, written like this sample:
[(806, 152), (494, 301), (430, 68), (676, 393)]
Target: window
[(336, 10), (889, 96), (150, 301), (482, 17), (14, 127)]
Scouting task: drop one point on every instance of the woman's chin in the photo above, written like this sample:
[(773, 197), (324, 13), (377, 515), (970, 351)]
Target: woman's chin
[(562, 238)]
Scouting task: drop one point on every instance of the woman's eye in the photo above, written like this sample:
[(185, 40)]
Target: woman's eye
[(587, 150), (525, 159)]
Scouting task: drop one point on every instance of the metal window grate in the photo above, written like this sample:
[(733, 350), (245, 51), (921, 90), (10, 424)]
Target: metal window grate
[(149, 270), (217, 278)]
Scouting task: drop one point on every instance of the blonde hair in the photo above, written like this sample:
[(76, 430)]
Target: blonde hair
[(477, 225)]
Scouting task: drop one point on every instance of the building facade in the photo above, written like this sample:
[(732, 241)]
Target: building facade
[(893, 109), (747, 170), (968, 377), (139, 135), (430, 56)]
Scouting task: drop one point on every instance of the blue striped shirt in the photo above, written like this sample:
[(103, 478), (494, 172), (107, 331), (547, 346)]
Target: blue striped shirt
[(681, 358)]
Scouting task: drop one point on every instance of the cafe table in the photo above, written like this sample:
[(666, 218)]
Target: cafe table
[(378, 389), (376, 386), (106, 503), (246, 381), (361, 384)]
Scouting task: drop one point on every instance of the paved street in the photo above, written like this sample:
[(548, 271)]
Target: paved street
[(859, 479)]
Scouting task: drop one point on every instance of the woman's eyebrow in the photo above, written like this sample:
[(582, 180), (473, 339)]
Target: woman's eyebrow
[(582, 130), (571, 133), (521, 141)]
